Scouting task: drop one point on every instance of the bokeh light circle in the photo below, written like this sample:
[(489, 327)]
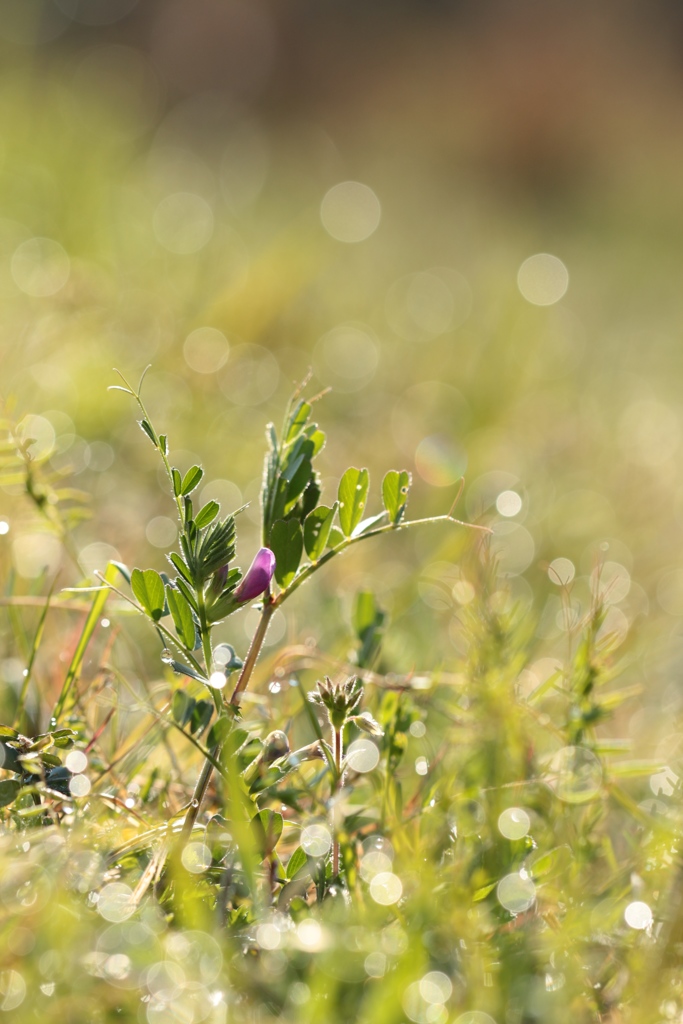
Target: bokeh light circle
[(251, 375), (196, 858), (115, 902), (76, 761), (543, 279), (161, 531), (12, 990), (374, 862), (40, 267), (475, 1017), (79, 786), (386, 888), (575, 774), (512, 546), (561, 571), (346, 356), (514, 823), (316, 840), (516, 892), (422, 306), (508, 503), (350, 211), (638, 916), (41, 434), (362, 755), (440, 461), (206, 350), (183, 223)]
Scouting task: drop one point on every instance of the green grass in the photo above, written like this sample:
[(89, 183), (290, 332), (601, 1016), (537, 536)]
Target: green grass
[(513, 853)]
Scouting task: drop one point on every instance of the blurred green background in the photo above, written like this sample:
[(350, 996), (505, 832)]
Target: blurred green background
[(465, 217)]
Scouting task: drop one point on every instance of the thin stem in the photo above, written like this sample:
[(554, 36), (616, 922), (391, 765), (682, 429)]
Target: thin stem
[(337, 749), (254, 650), (205, 633), (207, 769), (308, 570), (162, 453), (21, 703)]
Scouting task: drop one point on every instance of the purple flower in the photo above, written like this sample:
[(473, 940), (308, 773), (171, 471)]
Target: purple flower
[(258, 577)]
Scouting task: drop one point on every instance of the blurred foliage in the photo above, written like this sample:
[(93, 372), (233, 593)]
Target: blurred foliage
[(238, 197)]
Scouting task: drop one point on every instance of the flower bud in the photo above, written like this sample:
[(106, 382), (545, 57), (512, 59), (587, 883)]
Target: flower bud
[(257, 578)]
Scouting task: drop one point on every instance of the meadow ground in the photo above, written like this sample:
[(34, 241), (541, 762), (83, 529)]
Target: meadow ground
[(465, 225)]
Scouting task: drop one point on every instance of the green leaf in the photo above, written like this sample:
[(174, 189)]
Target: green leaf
[(182, 707), (182, 616), (367, 620), (317, 528), (123, 569), (367, 615), (207, 514), (287, 544), (201, 715), (177, 482), (395, 488), (191, 479), (148, 587), (297, 421), (163, 443), (184, 670), (483, 892), (297, 862), (146, 426), (235, 741), (353, 492), (181, 566), (8, 791), (317, 438), (267, 827), (187, 594), (219, 732), (51, 759)]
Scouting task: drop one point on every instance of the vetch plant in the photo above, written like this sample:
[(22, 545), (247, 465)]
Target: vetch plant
[(299, 536)]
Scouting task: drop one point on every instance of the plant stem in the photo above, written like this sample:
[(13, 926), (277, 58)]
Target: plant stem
[(337, 750), (207, 769), (308, 570), (254, 650), (205, 633)]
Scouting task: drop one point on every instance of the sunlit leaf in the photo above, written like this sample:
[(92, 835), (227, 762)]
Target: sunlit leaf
[(182, 616), (286, 542), (207, 514), (317, 526), (395, 488), (191, 479), (148, 587), (353, 492)]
